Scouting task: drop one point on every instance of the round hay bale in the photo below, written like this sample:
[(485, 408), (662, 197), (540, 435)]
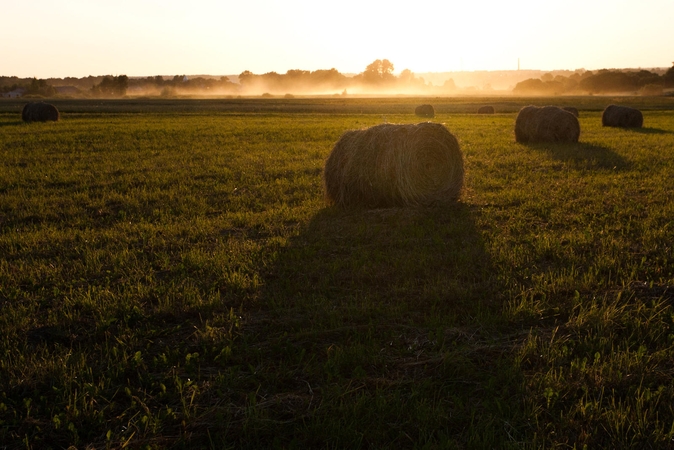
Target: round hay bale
[(394, 165), (40, 112), (546, 124), (622, 116), (425, 111), (485, 110), (572, 110)]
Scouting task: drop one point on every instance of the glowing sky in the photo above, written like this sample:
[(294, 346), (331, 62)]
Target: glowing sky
[(50, 38)]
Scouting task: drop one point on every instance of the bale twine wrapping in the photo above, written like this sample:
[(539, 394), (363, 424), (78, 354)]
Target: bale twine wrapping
[(572, 110), (546, 124), (622, 116), (485, 110), (394, 165), (425, 111), (39, 112)]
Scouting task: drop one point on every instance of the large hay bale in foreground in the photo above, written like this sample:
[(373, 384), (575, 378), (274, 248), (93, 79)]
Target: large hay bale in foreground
[(39, 112), (485, 110), (572, 110), (425, 111), (622, 116), (546, 124), (394, 165)]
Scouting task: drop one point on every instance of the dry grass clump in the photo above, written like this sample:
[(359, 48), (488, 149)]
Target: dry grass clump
[(485, 110), (425, 111), (546, 124), (622, 116), (572, 110), (39, 112), (394, 165)]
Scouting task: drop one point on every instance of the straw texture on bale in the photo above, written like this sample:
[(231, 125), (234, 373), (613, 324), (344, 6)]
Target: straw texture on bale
[(622, 116), (572, 110), (546, 124), (39, 112), (394, 165), (485, 110), (425, 111)]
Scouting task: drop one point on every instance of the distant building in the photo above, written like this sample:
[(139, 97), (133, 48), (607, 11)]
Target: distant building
[(16, 93)]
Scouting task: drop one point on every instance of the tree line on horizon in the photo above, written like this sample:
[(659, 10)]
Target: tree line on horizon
[(602, 81), (378, 77)]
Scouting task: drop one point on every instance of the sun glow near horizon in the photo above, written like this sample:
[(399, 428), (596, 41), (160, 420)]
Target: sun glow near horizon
[(149, 37)]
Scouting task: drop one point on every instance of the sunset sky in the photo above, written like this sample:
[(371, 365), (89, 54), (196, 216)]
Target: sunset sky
[(47, 38)]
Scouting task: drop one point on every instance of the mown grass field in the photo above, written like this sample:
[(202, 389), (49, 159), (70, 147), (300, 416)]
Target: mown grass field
[(170, 277)]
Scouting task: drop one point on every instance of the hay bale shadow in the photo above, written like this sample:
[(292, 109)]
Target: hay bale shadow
[(408, 258), (585, 155), (358, 293), (11, 124), (648, 130)]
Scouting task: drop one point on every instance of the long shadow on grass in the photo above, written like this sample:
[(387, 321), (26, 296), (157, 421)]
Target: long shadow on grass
[(585, 155), (649, 130), (382, 328), (11, 124)]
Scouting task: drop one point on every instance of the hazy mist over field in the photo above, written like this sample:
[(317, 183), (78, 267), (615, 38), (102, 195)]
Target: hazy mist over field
[(378, 79)]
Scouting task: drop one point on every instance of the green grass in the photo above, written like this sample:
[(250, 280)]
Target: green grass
[(171, 278)]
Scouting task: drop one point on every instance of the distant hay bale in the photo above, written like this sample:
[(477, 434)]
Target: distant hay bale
[(485, 110), (622, 116), (39, 112), (425, 111), (546, 124), (572, 110), (394, 165)]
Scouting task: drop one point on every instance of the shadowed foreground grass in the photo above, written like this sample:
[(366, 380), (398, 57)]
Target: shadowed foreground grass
[(172, 281)]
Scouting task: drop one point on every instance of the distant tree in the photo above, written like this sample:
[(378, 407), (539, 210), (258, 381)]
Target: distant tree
[(378, 72), (406, 76), (246, 77), (609, 81), (41, 88), (407, 80), (226, 84), (327, 79), (298, 74), (111, 86), (449, 85), (669, 77), (529, 86), (651, 89), (179, 79), (535, 86), (9, 83)]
